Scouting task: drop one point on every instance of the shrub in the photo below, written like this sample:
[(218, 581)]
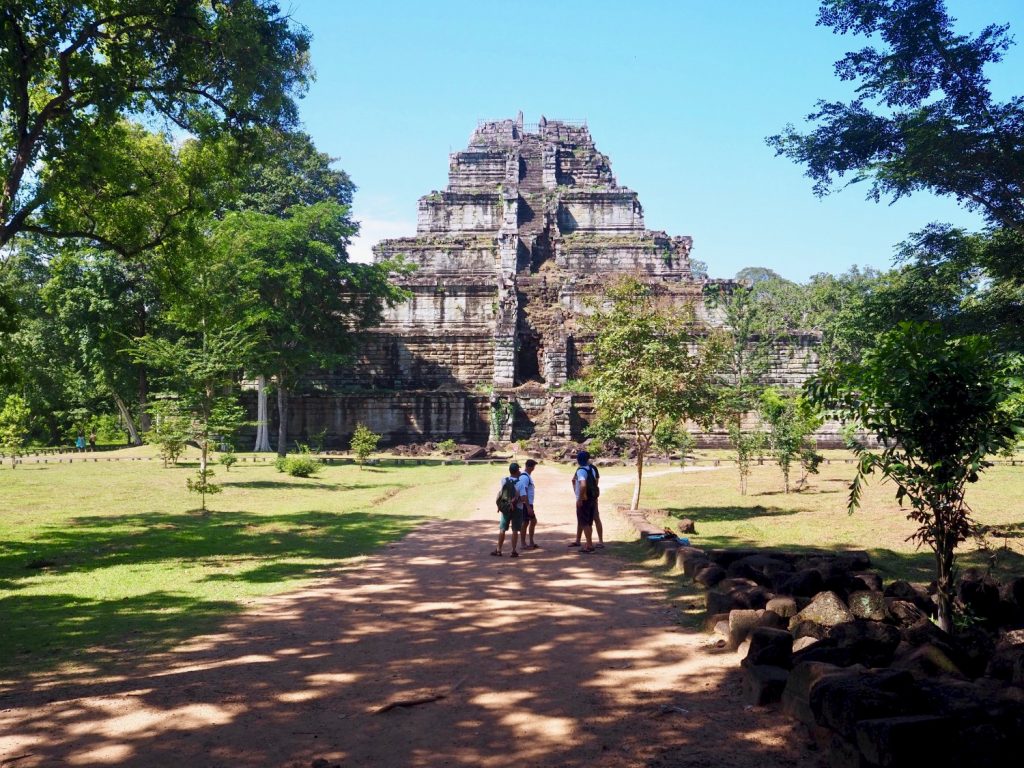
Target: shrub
[(364, 442), (302, 465), (228, 460), (447, 447)]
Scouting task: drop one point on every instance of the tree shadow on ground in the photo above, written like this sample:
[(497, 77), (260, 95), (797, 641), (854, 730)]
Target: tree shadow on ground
[(727, 514), (301, 677), (284, 485), (298, 545), (43, 630), (794, 492)]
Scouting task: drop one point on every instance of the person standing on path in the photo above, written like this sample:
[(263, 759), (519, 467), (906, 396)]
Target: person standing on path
[(92, 441), (513, 515), (584, 484), (529, 516), (80, 443)]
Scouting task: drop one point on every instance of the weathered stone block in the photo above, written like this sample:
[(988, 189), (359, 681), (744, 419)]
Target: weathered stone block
[(841, 701), (763, 684), (893, 742), (741, 623), (904, 590), (770, 646), (783, 606), (710, 575), (868, 605), (826, 610), (805, 583), (796, 697)]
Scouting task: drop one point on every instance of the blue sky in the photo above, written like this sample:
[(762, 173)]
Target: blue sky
[(679, 95)]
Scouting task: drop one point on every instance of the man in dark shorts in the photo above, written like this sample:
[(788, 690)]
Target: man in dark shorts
[(529, 516), (515, 519), (586, 507)]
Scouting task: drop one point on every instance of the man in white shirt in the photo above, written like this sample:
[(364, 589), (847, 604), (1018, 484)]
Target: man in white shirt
[(529, 516)]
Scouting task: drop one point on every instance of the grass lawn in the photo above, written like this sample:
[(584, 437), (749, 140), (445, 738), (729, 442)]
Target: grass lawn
[(817, 516), (99, 558)]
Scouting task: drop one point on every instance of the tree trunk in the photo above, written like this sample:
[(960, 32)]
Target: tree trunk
[(262, 431), (639, 480), (145, 423), (282, 416), (944, 585), (133, 433)]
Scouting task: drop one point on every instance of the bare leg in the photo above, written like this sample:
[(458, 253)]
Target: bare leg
[(587, 532), (600, 528), (515, 540), (529, 531), (501, 540)]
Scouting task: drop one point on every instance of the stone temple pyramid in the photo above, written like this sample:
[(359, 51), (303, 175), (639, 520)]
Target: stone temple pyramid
[(532, 222)]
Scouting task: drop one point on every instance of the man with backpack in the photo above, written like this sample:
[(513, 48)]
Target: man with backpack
[(584, 483), (511, 502)]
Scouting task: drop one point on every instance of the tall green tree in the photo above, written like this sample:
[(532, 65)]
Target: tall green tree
[(650, 368), (939, 408), (924, 118), (99, 303), (202, 372), (70, 71), (284, 170), (309, 301), (750, 333)]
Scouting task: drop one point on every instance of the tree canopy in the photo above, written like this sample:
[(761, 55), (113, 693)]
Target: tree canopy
[(938, 408), (650, 369), (73, 70)]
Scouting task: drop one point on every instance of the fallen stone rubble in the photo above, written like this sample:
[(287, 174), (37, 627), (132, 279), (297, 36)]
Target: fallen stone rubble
[(859, 661)]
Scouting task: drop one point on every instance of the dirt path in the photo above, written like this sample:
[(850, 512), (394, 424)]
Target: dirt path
[(554, 659)]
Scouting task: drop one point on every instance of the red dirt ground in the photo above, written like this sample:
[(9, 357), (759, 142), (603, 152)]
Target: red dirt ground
[(553, 659)]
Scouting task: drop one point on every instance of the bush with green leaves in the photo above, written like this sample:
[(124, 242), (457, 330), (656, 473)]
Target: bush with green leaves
[(938, 407), (15, 421), (364, 442), (792, 420), (447, 447), (107, 428), (171, 429), (227, 459), (299, 465)]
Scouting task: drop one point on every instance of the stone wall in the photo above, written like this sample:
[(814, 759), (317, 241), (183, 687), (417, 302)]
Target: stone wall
[(400, 417)]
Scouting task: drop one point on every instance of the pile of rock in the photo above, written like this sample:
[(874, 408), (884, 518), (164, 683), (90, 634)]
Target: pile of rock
[(860, 662), (463, 451)]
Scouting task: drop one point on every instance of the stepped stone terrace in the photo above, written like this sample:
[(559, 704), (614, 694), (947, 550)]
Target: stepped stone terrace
[(531, 224)]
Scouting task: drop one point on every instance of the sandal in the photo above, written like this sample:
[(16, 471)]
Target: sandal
[(533, 546), (587, 551), (496, 553), (514, 554), (600, 546), (574, 544)]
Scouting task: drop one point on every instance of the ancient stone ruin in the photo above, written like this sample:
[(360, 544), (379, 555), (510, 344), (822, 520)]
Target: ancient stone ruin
[(858, 661), (532, 222)]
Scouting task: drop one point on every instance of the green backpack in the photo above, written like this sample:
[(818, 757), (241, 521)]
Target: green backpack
[(507, 497)]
